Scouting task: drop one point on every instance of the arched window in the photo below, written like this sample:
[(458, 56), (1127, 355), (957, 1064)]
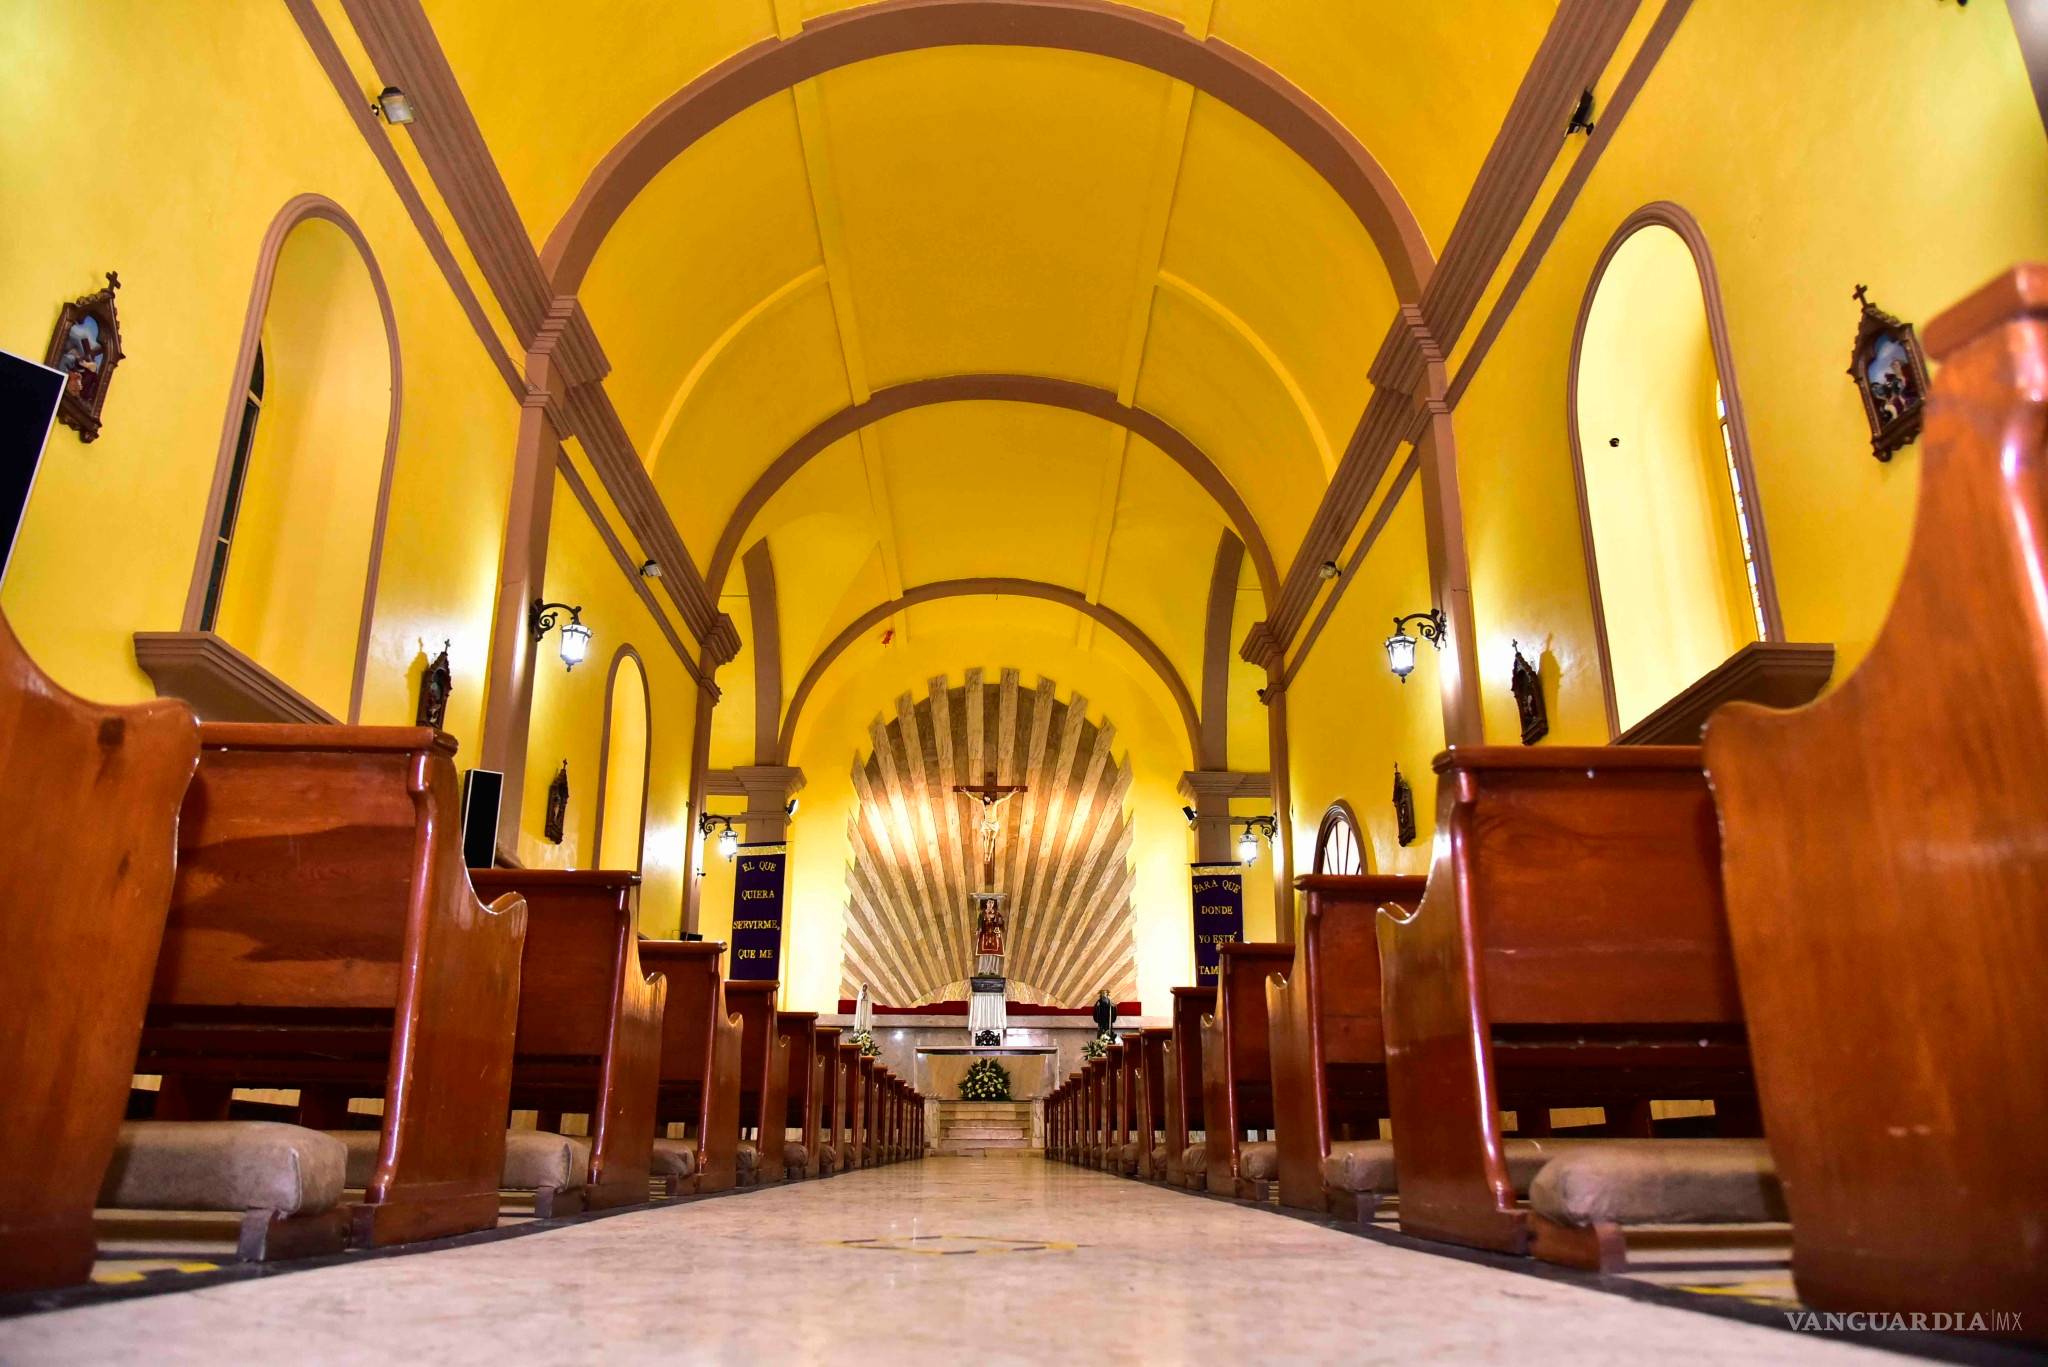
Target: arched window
[(1338, 848), (623, 766), (1675, 553), (287, 565)]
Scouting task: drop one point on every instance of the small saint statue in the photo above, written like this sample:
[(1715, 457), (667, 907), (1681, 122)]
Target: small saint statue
[(436, 683), (863, 1011), (1105, 1014)]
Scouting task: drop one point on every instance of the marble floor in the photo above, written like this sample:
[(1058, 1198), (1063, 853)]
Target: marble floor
[(984, 1260)]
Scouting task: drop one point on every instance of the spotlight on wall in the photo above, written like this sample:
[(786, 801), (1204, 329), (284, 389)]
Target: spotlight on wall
[(1328, 570), (650, 569), (1401, 646), (1582, 117), (1191, 815), (1248, 839), (394, 104), (789, 807), (728, 839), (541, 618)]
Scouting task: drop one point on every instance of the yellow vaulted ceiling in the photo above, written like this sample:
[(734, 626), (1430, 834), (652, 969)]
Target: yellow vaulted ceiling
[(968, 210)]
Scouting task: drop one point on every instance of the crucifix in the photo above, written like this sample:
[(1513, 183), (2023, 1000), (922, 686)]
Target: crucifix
[(991, 795)]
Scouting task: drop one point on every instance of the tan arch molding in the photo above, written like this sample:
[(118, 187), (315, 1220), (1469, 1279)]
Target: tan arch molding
[(604, 753), (1122, 626), (1679, 219), (1072, 395), (1095, 27), (296, 211)]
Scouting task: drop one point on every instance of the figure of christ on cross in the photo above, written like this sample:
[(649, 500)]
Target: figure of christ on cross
[(991, 795)]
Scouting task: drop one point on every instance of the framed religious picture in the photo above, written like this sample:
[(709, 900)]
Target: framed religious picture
[(989, 922), (85, 348), (1890, 374)]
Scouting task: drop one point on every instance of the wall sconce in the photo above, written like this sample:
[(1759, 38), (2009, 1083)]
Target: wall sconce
[(542, 617), (728, 839), (1248, 839), (394, 104), (1431, 626)]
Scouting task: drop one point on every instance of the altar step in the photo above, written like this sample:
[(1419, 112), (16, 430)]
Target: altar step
[(980, 1127)]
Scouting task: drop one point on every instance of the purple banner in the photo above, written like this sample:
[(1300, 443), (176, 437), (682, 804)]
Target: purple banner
[(757, 913), (1219, 916)]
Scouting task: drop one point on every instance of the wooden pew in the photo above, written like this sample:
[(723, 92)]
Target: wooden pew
[(849, 1105), (1094, 1123), (800, 1094), (1153, 1041), (1237, 1069), (870, 1150), (590, 1019), (829, 1085), (700, 1060), (323, 930), (89, 798), (1887, 874), (1115, 1122), (1185, 1161), (1571, 945), (764, 1078), (1323, 1017)]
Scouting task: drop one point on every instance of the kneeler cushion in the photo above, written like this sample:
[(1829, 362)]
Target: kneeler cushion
[(223, 1165), (675, 1157), (746, 1157), (1259, 1160), (1660, 1182), (1196, 1159), (534, 1159), (828, 1158), (1367, 1165), (795, 1155), (1159, 1159)]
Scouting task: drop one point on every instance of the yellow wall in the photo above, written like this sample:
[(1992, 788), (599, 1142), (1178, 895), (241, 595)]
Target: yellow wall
[(1672, 585), (209, 129), (568, 717), (1819, 146), (1349, 720), (300, 555)]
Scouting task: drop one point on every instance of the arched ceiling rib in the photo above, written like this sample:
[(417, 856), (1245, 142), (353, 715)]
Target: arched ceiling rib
[(1121, 626), (1029, 389), (895, 26)]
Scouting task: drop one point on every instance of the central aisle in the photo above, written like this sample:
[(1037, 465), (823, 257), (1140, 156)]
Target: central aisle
[(979, 1260)]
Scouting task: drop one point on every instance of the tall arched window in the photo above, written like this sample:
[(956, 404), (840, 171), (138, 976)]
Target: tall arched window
[(1675, 553), (1338, 847), (287, 564), (622, 774)]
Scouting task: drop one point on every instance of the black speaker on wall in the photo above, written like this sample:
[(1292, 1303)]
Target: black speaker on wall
[(28, 404), (482, 790)]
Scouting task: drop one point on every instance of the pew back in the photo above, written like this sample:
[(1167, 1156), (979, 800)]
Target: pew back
[(700, 1054)]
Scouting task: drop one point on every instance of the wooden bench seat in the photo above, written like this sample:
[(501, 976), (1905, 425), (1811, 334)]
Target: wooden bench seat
[(1149, 1136), (1571, 949), (1323, 1018), (1185, 1158), (831, 1097), (700, 1065), (1237, 1066), (590, 1020), (800, 1093), (764, 1080), (323, 932), (1887, 874), (90, 797)]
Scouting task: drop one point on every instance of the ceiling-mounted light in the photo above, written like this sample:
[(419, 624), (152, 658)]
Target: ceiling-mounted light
[(650, 569), (1401, 646), (394, 104), (541, 619), (1328, 570)]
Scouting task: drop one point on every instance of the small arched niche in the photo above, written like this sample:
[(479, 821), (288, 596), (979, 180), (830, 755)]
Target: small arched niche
[(1675, 554), (1339, 850), (288, 570), (622, 777)]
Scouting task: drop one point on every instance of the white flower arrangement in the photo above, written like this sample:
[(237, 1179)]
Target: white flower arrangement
[(986, 1080), (865, 1041), (1097, 1047)]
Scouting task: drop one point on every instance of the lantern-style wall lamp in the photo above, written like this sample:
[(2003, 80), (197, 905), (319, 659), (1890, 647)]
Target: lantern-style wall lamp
[(1430, 626), (728, 839), (542, 617), (1248, 839)]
